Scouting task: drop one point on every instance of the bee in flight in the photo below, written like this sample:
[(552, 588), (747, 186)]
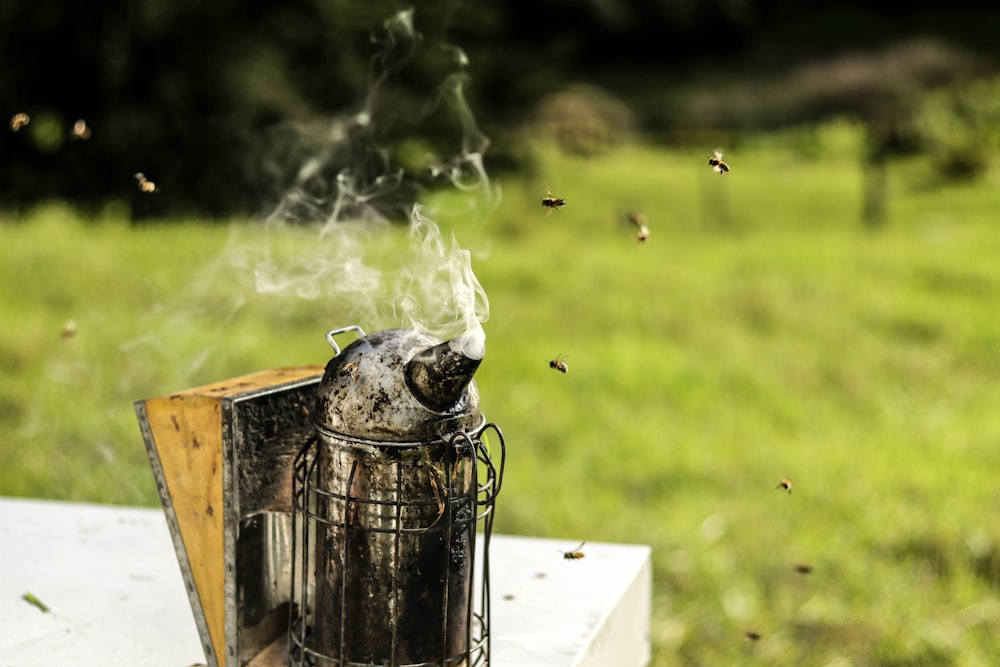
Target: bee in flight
[(19, 120), (145, 184), (752, 636), (575, 554), (80, 130), (716, 163), (550, 202), (638, 218), (559, 363), (804, 568), (69, 329), (785, 484)]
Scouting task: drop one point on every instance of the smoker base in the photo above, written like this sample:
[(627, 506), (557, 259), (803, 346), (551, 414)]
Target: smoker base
[(110, 578)]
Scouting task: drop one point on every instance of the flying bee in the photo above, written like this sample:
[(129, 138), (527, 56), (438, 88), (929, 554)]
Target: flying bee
[(69, 329), (80, 130), (19, 120), (785, 484), (716, 163), (145, 184), (638, 218), (559, 363), (751, 635), (804, 568), (575, 554), (551, 202)]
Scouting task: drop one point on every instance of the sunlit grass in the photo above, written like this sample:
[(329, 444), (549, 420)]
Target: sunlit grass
[(762, 332)]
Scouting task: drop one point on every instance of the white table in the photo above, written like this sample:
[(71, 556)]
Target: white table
[(111, 580)]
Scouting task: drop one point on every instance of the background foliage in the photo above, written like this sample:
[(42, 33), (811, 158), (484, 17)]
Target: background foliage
[(222, 103)]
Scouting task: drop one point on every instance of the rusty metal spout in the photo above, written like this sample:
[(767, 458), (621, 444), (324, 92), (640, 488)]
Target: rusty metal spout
[(439, 375)]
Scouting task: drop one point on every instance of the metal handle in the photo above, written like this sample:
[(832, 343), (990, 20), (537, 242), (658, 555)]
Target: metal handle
[(336, 332)]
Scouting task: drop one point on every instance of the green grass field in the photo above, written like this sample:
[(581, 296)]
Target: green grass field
[(761, 332)]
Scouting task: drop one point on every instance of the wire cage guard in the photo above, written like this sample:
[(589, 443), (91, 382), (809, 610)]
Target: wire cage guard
[(384, 550)]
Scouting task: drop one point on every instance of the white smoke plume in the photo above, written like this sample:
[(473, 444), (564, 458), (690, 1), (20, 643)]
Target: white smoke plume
[(330, 240)]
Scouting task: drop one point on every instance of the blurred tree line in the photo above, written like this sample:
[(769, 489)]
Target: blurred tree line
[(226, 105)]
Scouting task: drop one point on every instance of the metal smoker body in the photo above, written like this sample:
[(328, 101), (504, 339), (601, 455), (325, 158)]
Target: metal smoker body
[(387, 500)]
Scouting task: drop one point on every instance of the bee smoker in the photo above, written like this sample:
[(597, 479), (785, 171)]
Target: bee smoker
[(386, 500), (330, 518)]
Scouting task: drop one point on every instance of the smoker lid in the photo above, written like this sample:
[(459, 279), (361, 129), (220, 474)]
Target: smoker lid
[(367, 392)]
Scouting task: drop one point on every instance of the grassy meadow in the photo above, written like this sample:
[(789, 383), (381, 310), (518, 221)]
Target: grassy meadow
[(762, 332)]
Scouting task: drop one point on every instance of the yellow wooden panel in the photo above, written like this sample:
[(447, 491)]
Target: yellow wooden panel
[(188, 433), (187, 429)]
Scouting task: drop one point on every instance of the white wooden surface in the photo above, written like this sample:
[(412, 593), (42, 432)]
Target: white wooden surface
[(116, 597)]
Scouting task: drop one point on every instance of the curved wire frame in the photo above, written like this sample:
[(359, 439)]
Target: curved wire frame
[(308, 498)]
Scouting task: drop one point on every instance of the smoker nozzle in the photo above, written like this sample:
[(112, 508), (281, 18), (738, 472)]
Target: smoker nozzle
[(439, 375)]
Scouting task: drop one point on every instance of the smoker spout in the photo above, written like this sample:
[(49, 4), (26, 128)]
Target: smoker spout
[(439, 375)]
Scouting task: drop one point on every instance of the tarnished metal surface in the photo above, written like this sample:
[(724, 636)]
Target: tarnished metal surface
[(264, 582), (395, 502), (263, 431), (364, 392), (395, 557), (439, 376)]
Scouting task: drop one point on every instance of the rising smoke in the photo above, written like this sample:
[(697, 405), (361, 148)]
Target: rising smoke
[(347, 191)]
